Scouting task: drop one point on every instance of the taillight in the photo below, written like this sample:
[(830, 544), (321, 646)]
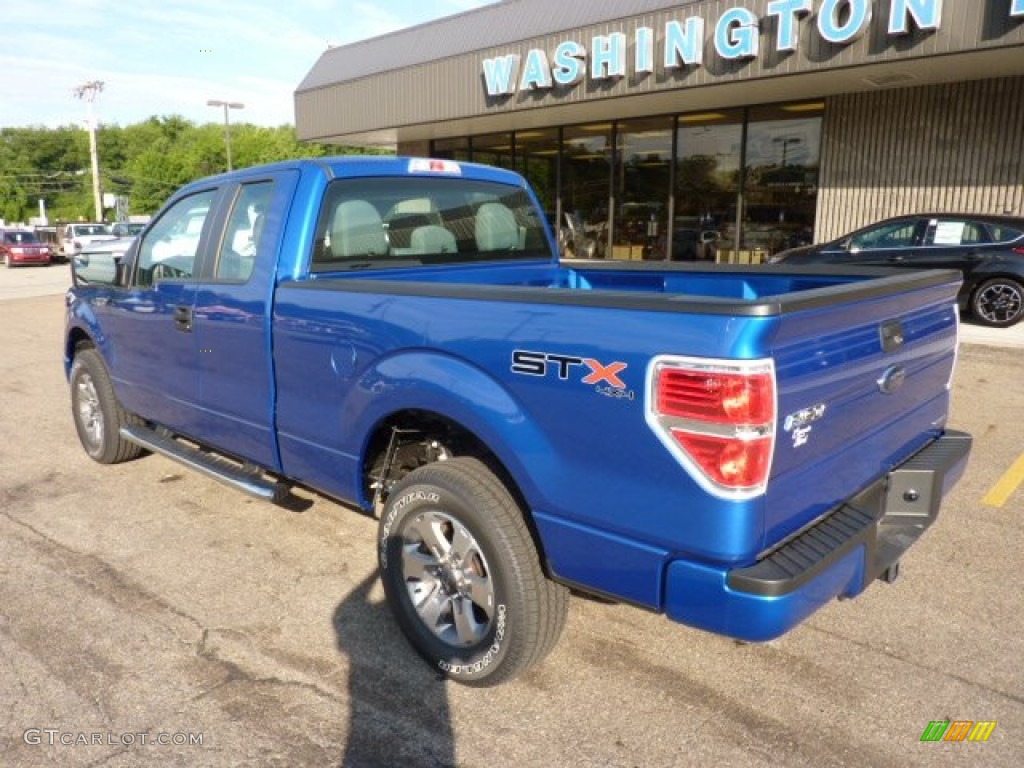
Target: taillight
[(717, 417)]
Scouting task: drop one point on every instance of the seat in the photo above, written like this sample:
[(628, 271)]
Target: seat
[(257, 230), (496, 228), (357, 231), (432, 239), (401, 227)]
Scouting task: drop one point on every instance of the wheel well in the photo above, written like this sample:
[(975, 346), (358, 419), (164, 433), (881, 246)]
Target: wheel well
[(77, 340), (407, 440), (1010, 278)]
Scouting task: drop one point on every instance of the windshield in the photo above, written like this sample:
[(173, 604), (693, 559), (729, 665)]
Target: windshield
[(90, 229), (408, 221), (20, 238)]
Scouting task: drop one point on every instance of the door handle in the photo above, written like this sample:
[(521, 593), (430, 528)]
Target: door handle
[(183, 318)]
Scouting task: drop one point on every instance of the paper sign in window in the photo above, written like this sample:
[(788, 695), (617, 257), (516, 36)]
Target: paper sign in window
[(949, 233)]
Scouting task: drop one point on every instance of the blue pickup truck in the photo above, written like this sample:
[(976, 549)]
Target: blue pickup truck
[(733, 446)]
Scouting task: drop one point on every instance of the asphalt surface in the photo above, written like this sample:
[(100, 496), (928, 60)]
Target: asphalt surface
[(143, 599)]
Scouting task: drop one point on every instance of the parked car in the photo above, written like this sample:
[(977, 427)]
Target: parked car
[(988, 251), (74, 237), (18, 246)]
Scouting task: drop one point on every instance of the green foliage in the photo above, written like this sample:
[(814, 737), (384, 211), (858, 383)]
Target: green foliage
[(144, 162)]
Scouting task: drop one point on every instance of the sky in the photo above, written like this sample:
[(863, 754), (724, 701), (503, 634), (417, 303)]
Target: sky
[(171, 57)]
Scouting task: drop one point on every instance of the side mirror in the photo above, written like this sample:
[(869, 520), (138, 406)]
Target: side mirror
[(97, 268), (122, 271), (125, 264)]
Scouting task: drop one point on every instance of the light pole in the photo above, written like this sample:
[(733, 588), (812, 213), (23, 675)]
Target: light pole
[(88, 92), (786, 142), (227, 125)]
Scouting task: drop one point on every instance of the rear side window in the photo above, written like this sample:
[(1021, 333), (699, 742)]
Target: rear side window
[(244, 232), (1003, 234), (408, 221), (955, 232)]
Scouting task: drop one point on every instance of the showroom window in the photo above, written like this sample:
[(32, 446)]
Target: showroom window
[(537, 160), (451, 149), (708, 160), (781, 180), (643, 166), (493, 149), (735, 185), (586, 182)]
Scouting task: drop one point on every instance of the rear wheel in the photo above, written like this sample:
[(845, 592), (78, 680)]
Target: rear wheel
[(462, 575), (998, 302), (98, 415)]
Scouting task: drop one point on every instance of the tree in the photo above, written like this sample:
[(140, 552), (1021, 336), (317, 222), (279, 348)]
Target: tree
[(144, 162)]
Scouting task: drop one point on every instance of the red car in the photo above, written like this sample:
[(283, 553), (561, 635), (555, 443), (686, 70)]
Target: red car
[(21, 247)]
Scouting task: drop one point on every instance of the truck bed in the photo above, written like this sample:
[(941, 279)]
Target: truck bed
[(701, 288), (443, 338)]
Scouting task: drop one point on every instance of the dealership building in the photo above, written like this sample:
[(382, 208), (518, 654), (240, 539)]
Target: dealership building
[(652, 128)]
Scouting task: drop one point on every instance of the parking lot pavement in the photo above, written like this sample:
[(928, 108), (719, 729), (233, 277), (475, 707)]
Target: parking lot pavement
[(23, 282), (1011, 338), (144, 600)]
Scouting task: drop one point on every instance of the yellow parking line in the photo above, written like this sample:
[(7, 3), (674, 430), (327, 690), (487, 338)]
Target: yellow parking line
[(1008, 483)]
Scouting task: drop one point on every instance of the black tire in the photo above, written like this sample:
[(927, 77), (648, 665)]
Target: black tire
[(998, 302), (476, 605), (97, 414)]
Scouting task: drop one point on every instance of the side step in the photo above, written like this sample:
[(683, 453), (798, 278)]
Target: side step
[(247, 479)]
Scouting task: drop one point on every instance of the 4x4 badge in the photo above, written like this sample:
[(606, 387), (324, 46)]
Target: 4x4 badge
[(803, 417)]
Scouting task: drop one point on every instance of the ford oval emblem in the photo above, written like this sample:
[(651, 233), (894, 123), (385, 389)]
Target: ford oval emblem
[(892, 379)]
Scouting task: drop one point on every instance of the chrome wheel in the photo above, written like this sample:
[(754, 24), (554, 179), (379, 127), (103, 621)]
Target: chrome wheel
[(90, 415), (448, 579), (999, 302), (462, 575)]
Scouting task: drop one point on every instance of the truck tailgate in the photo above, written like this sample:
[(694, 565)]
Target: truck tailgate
[(860, 388)]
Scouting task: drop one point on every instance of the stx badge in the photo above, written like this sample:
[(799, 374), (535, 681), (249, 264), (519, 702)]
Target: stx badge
[(529, 363)]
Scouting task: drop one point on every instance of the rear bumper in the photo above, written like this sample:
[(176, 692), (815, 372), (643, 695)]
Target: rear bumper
[(839, 556)]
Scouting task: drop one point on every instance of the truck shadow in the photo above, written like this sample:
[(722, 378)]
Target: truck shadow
[(398, 707)]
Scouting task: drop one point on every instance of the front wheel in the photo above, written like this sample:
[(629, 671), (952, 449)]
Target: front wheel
[(998, 302), (462, 576), (98, 415)]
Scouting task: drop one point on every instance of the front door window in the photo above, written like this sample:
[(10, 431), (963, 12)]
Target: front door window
[(171, 246)]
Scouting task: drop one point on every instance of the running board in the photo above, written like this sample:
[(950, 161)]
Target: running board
[(248, 480)]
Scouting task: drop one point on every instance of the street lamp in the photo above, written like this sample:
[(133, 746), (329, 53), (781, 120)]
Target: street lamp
[(88, 92), (227, 125)]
